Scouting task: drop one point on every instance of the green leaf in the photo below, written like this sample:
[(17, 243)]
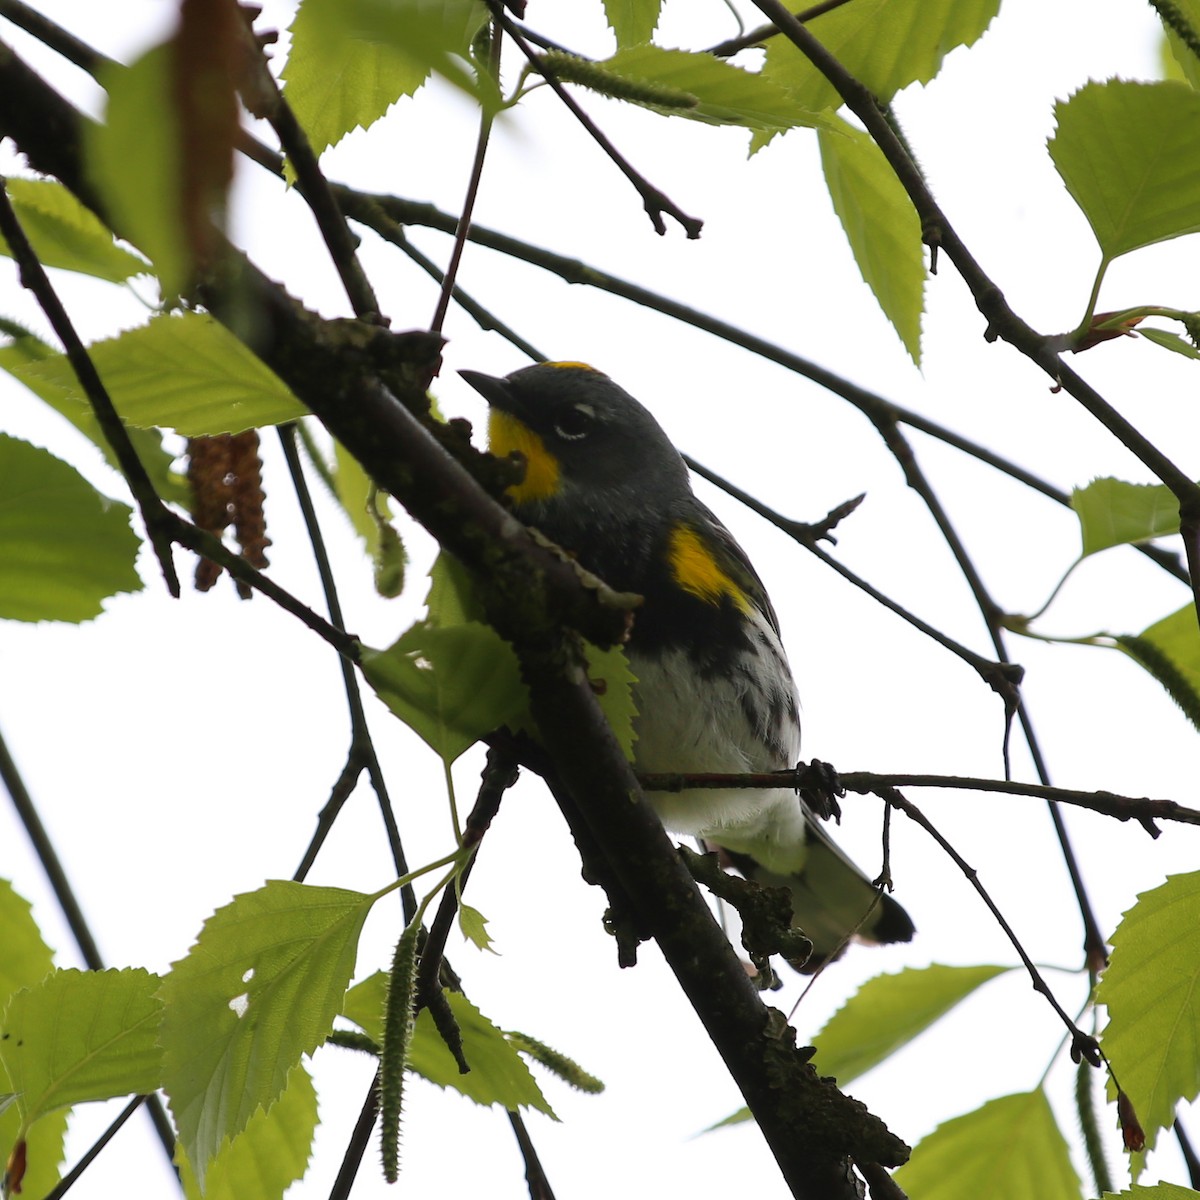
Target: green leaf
[(64, 546), (44, 1149), (135, 161), (1151, 988), (474, 926), (632, 21), (726, 94), (1129, 154), (26, 960), (183, 372), (887, 44), (65, 234), (1010, 1149), (26, 348), (1170, 650), (881, 226), (1169, 341), (450, 685), (453, 598), (352, 59), (1184, 19), (454, 620), (1115, 513), (81, 1035), (268, 1156), (260, 987), (498, 1075), (887, 1012), (1157, 1191), (363, 1004), (613, 681), (370, 514)]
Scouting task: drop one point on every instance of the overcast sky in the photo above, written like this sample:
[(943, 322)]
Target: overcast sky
[(179, 751)]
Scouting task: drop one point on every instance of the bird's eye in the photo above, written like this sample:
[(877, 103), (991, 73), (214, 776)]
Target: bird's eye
[(575, 422)]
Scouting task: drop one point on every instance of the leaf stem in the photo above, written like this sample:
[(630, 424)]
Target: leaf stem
[(1093, 299)]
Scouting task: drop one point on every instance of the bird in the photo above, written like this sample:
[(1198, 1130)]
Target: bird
[(714, 691)]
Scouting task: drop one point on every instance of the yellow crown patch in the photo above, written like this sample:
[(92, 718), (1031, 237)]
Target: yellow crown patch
[(506, 434), (696, 570), (578, 365)]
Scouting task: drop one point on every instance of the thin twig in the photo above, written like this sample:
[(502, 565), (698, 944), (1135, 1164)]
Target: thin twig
[(464, 221), (656, 202), (65, 895), (200, 541), (1122, 808), (386, 215), (535, 1175), (894, 438), (484, 318), (369, 209), (1003, 678), (268, 101), (64, 1185), (362, 748), (1191, 1161), (33, 276), (1003, 322), (1082, 1044), (499, 774), (60, 40), (48, 857), (356, 1147), (757, 36)]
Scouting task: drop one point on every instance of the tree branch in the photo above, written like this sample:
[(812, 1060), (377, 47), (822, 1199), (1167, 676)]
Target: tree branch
[(1123, 808), (531, 596), (1002, 677), (1083, 1045), (656, 202), (262, 96), (1002, 321)]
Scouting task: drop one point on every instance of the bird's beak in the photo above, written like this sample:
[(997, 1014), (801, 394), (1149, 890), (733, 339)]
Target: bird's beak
[(496, 392)]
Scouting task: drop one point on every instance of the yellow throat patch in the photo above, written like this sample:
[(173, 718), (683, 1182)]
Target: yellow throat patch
[(696, 570), (506, 434)]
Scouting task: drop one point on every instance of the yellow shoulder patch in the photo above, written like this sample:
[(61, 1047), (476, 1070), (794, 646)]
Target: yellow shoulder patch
[(506, 434), (578, 365), (696, 570)]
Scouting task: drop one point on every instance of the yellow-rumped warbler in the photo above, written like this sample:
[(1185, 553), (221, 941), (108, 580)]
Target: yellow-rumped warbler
[(714, 691)]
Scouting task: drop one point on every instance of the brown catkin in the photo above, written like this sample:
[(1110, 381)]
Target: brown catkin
[(249, 520), (225, 473), (212, 495)]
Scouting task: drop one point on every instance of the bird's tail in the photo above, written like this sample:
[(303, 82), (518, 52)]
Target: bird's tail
[(833, 902)]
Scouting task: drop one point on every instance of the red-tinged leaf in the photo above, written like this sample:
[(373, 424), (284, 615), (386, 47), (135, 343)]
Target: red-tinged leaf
[(1095, 334), (14, 1172), (1131, 1128)]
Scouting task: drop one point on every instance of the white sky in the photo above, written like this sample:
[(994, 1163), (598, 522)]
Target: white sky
[(179, 751)]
